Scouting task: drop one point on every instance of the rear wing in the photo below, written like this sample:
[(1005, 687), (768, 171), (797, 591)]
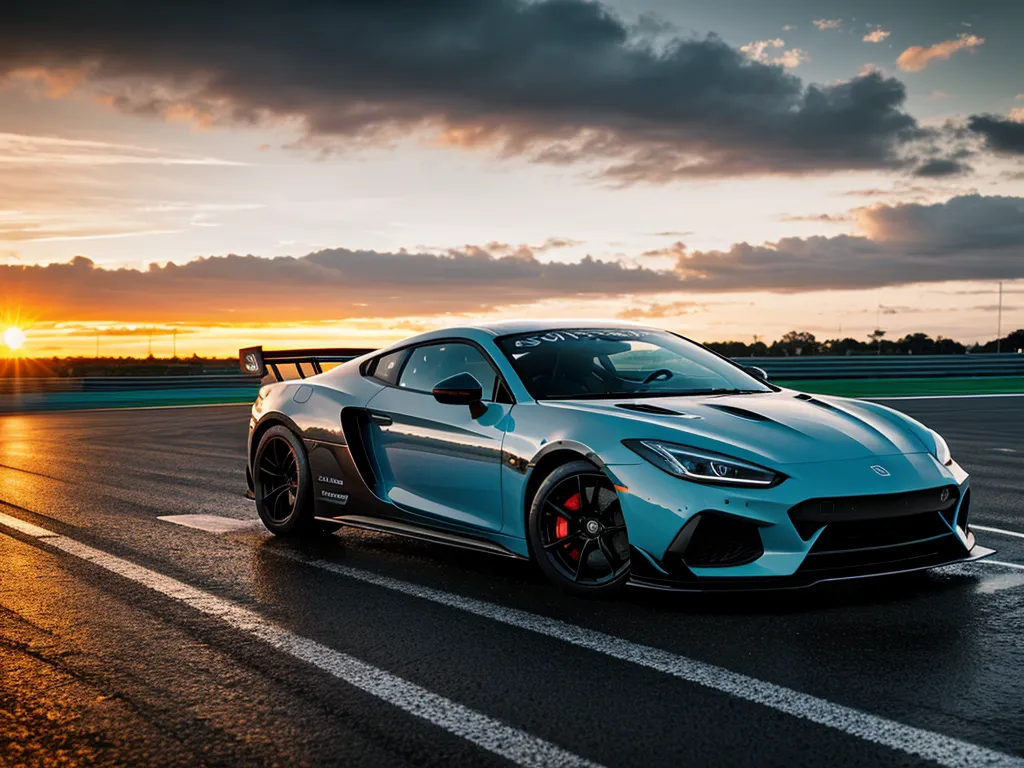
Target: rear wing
[(256, 361)]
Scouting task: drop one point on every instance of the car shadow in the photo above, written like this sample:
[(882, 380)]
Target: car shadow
[(519, 582)]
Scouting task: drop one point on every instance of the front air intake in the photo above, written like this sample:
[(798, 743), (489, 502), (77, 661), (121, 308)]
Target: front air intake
[(965, 511), (717, 540)]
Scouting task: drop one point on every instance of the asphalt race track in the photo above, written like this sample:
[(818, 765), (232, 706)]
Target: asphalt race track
[(130, 640)]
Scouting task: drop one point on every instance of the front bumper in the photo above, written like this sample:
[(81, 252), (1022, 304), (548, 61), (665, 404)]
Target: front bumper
[(826, 521)]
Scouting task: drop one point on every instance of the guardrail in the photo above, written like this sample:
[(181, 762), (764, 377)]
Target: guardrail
[(125, 383), (887, 366), (778, 369)]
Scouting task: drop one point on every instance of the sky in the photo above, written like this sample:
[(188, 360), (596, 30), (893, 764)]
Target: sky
[(198, 177)]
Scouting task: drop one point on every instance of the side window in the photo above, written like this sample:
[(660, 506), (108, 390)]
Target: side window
[(386, 368), (428, 365)]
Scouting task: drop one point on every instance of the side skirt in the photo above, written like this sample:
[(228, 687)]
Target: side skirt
[(403, 528)]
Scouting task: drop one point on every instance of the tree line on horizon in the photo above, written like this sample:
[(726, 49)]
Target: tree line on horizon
[(805, 343)]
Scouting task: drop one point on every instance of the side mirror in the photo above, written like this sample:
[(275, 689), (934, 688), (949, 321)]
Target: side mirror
[(460, 389), (753, 370)]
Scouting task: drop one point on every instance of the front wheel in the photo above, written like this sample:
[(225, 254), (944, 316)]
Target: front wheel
[(577, 531)]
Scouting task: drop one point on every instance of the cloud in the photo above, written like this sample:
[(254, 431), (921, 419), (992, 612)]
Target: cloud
[(27, 150), (916, 58), (1002, 135), (656, 311), (877, 35), (821, 218), (766, 52), (330, 284), (828, 23), (970, 237), (941, 167), (674, 251), (552, 81), (56, 82), (966, 238)]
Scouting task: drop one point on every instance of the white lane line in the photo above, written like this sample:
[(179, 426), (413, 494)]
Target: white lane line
[(996, 530), (211, 523), (1002, 563), (945, 397), (938, 748), (26, 528), (511, 743)]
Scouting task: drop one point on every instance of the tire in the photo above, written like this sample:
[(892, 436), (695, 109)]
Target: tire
[(282, 483), (577, 532)]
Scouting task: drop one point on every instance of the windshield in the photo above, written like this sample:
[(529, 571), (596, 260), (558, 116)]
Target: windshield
[(620, 362)]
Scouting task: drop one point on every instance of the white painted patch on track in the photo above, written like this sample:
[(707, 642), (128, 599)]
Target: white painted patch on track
[(492, 735), (211, 523), (1001, 531), (928, 745)]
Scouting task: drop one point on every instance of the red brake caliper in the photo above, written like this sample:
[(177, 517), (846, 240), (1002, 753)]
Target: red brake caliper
[(573, 504)]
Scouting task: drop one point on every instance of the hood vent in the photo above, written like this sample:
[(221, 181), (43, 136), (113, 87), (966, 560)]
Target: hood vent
[(819, 403), (743, 413), (657, 410)]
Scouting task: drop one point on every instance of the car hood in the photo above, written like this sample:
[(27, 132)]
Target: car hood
[(783, 427)]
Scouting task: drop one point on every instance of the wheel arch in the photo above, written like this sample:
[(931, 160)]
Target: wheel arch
[(547, 462), (268, 420)]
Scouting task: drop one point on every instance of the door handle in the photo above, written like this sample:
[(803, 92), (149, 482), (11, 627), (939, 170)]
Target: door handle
[(381, 420)]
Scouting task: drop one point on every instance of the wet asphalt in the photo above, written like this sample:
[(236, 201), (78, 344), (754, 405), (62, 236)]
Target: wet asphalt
[(98, 670)]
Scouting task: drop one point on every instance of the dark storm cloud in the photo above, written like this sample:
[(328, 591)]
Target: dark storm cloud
[(558, 81), (1001, 135)]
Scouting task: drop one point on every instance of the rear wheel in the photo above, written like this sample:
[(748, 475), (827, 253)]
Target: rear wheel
[(577, 531), (282, 483)]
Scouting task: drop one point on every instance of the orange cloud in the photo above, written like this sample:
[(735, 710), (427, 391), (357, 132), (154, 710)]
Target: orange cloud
[(916, 58), (57, 82)]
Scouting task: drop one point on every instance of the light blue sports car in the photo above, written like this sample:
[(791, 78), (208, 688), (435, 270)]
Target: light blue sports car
[(607, 453)]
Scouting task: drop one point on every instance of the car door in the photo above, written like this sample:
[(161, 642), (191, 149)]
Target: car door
[(441, 461)]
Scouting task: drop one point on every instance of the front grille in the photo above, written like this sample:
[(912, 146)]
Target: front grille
[(889, 532), (876, 532), (808, 516)]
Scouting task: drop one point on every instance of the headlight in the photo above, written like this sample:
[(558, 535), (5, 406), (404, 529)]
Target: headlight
[(941, 449), (703, 466)]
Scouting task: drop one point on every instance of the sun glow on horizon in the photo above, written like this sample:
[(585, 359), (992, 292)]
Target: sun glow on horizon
[(14, 338)]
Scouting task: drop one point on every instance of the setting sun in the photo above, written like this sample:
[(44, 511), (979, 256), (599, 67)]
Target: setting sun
[(14, 338)]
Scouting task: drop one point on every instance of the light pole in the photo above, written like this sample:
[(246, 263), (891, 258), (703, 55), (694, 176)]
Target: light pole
[(999, 321)]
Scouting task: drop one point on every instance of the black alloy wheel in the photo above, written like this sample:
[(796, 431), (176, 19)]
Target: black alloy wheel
[(282, 483), (578, 532), (279, 470)]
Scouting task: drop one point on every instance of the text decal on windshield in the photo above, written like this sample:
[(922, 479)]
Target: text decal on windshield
[(555, 337)]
